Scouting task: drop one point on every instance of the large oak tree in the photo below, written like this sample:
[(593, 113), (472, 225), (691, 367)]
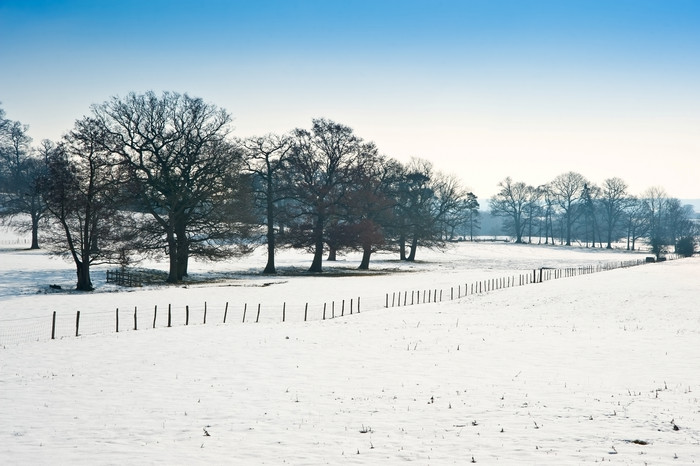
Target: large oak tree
[(184, 173), (324, 165)]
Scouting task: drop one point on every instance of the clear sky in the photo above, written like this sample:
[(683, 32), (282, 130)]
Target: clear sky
[(483, 88)]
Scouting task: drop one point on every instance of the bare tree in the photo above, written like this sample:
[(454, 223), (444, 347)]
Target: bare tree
[(614, 199), (370, 205), (677, 220), (80, 189), (184, 173), (415, 195), (566, 190), (637, 221), (266, 157), (655, 202), (548, 207), (463, 218), (427, 203), (22, 206), (511, 202), (589, 203), (324, 162)]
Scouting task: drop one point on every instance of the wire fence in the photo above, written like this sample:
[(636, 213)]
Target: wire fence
[(68, 324), (4, 242)]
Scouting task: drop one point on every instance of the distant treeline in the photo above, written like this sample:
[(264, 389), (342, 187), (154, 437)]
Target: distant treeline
[(570, 208)]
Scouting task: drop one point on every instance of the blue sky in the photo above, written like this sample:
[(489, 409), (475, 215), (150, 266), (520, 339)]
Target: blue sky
[(483, 88)]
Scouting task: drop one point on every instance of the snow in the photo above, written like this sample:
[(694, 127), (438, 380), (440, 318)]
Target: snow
[(578, 370)]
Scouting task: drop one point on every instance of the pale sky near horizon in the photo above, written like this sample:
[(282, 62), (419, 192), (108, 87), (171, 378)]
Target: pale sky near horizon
[(484, 89)]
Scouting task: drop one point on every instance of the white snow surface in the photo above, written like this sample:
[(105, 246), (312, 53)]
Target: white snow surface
[(595, 368)]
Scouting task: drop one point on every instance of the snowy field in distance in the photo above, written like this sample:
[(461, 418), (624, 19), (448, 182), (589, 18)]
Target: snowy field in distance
[(581, 370)]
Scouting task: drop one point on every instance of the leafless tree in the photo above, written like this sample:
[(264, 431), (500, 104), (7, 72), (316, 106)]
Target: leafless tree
[(637, 221), (266, 158), (427, 201), (463, 218), (324, 163), (20, 168), (548, 208), (370, 204), (655, 201), (80, 189), (566, 190), (589, 205), (184, 173), (614, 199), (511, 203), (677, 220)]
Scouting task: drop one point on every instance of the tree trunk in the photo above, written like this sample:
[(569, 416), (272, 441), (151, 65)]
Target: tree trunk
[(83, 272), (402, 247), (317, 263), (414, 245), (332, 253), (183, 250), (35, 233), (172, 258), (366, 253), (182, 259), (270, 266), (518, 235)]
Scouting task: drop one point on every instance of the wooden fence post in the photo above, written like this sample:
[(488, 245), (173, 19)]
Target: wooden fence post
[(225, 311), (169, 316), (284, 311), (155, 314), (77, 323), (53, 326), (358, 304), (324, 309), (306, 310), (117, 320), (135, 319), (205, 312), (342, 309), (187, 315), (257, 318), (245, 308)]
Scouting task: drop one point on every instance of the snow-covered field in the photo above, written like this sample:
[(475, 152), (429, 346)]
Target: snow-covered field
[(594, 368)]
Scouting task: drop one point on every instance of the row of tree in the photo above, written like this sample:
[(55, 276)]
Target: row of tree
[(154, 174), (572, 208)]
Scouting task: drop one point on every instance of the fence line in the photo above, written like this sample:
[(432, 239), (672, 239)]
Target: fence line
[(63, 325), (14, 241), (125, 278)]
